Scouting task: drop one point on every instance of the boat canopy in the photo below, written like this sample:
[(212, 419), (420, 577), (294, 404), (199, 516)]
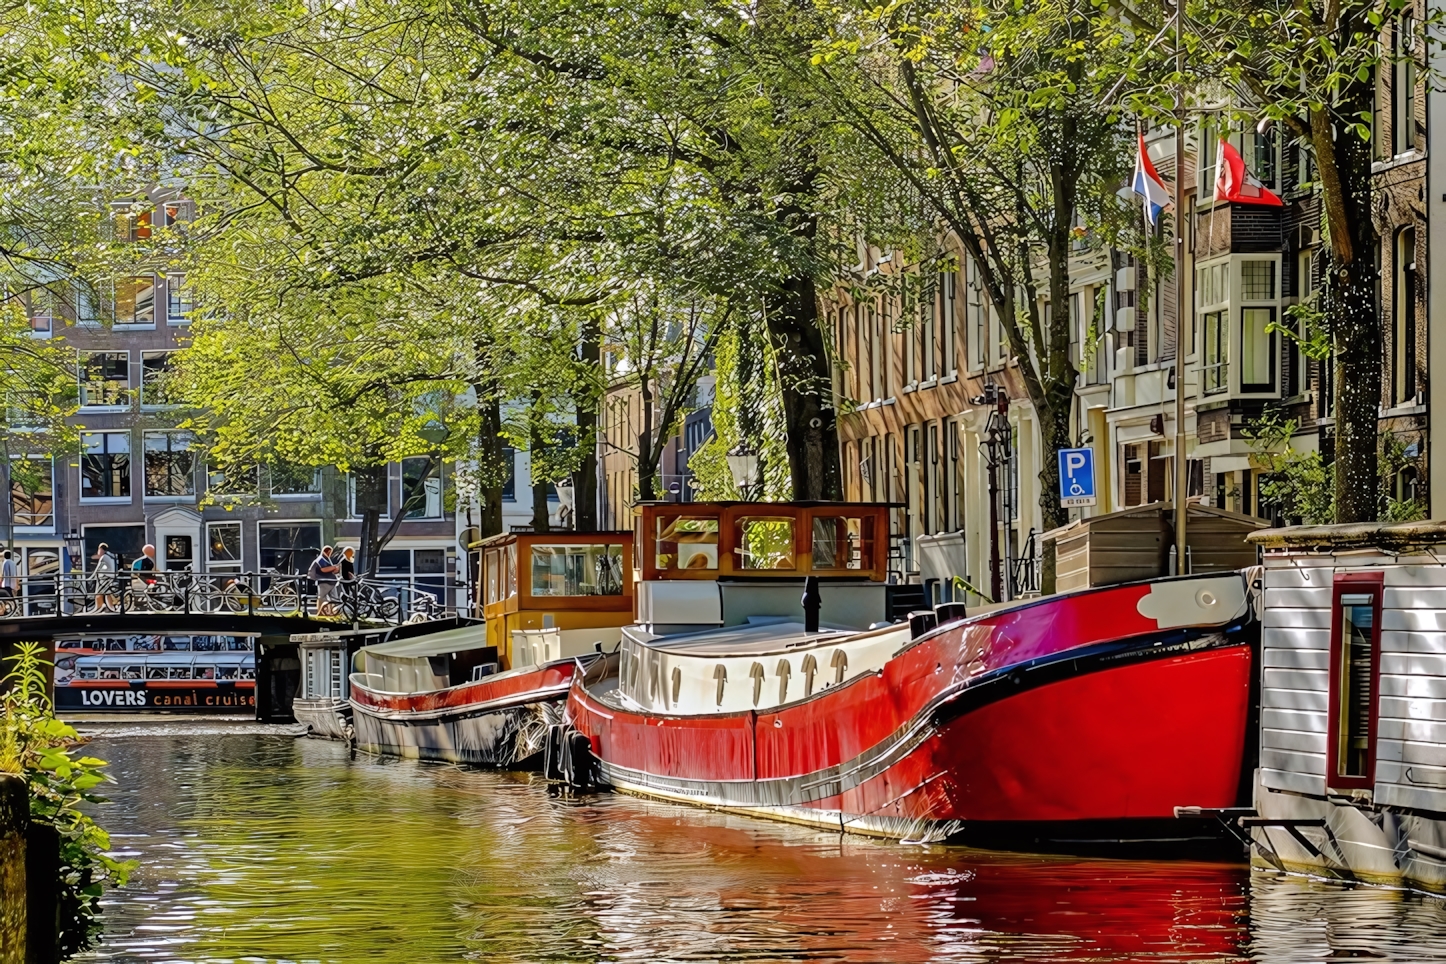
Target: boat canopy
[(434, 644)]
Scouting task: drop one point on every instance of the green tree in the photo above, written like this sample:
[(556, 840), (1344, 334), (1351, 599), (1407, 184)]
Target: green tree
[(1310, 67), (992, 114)]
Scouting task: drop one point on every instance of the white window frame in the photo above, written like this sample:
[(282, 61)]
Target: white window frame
[(294, 496), (352, 514), (433, 483), (155, 297), (149, 405)]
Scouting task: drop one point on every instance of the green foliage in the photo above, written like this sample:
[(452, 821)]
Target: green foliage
[(1300, 485), (45, 751)]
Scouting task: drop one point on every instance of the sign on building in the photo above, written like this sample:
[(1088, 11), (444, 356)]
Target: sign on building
[(1076, 477)]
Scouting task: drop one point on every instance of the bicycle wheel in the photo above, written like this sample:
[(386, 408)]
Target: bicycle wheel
[(235, 599), (284, 600), (389, 608), (9, 606)]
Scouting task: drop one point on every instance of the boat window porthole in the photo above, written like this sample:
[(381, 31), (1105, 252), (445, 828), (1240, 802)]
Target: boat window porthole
[(677, 683), (720, 673)]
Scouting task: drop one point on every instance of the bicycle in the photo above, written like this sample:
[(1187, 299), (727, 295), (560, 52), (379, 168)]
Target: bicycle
[(280, 596), (361, 598), (166, 592)]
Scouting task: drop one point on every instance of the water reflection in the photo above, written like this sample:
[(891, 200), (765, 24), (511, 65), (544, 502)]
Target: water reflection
[(270, 848)]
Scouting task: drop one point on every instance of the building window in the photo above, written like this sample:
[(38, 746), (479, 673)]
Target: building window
[(1257, 350), (223, 547), (131, 223), (1216, 362), (177, 213), (41, 309), (427, 503), (170, 465), (366, 488), (288, 479), (32, 492), (1258, 364), (234, 481), (288, 546), (1403, 87), (179, 300), (105, 378), (509, 473), (135, 301), (1403, 329), (105, 465), (125, 541), (1355, 658), (1209, 148), (948, 296), (154, 367)]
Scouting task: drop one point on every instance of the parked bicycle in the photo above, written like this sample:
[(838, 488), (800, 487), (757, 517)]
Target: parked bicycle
[(361, 599), (279, 596), (163, 592)]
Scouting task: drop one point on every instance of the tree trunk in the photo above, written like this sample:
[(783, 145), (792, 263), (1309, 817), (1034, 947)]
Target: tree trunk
[(367, 552), (1352, 312), (585, 405), (647, 445), (493, 473), (806, 382)]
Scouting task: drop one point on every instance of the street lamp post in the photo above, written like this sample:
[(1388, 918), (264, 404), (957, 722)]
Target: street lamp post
[(997, 443), (743, 466)]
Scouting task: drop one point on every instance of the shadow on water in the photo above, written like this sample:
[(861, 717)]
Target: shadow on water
[(264, 847)]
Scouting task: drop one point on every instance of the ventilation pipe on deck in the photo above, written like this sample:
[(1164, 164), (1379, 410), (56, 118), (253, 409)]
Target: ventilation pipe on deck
[(812, 600)]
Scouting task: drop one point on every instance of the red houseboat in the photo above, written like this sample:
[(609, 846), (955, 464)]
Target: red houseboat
[(760, 677), (485, 691)]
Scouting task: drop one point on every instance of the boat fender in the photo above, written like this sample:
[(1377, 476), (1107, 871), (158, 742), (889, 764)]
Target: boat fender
[(921, 622)]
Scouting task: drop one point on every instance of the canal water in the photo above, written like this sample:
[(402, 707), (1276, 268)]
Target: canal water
[(256, 846)]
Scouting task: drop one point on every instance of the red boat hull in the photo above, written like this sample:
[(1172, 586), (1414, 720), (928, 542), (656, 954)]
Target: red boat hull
[(1108, 734)]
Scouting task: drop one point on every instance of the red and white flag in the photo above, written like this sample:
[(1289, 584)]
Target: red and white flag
[(1234, 183)]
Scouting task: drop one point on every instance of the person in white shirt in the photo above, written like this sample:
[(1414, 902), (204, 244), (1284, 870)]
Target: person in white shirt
[(9, 576), (105, 580)]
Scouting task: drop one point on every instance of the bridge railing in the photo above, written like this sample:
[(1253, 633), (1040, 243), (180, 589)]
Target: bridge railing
[(266, 593)]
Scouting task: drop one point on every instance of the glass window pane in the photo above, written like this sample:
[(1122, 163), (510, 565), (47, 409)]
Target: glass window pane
[(765, 543), (170, 464), (289, 546), (135, 300), (105, 378), (1257, 362), (586, 570), (32, 492), (1357, 623), (841, 542), (1257, 280), (687, 542), (287, 479), (224, 542), (105, 465), (423, 501)]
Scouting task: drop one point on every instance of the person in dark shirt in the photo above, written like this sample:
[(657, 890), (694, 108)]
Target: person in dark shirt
[(348, 564)]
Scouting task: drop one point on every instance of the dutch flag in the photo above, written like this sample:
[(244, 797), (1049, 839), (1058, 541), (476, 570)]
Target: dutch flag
[(1148, 185)]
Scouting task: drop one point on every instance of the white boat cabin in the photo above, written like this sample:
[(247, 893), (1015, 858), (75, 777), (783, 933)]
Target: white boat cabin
[(721, 623), (1353, 701)]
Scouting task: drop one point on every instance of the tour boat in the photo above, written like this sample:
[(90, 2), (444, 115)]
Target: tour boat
[(192, 674), (485, 692), (761, 678)]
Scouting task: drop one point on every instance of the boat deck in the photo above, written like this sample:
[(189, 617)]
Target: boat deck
[(765, 635)]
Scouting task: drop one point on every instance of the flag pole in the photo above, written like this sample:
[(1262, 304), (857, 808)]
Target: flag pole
[(1182, 475)]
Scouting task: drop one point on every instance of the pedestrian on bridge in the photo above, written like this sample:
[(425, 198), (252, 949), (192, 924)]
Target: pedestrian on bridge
[(323, 572), (107, 597), (9, 577)]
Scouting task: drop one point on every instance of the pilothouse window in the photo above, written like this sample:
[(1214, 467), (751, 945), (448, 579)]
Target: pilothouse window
[(687, 542)]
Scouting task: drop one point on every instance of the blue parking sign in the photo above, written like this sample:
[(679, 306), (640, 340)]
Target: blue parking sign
[(1076, 477)]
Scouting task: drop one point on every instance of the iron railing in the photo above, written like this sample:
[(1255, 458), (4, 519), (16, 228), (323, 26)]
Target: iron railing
[(266, 593)]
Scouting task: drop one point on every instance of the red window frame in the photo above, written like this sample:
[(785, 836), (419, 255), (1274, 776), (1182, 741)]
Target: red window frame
[(1349, 584)]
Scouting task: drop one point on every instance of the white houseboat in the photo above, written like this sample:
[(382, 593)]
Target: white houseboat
[(1352, 778)]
